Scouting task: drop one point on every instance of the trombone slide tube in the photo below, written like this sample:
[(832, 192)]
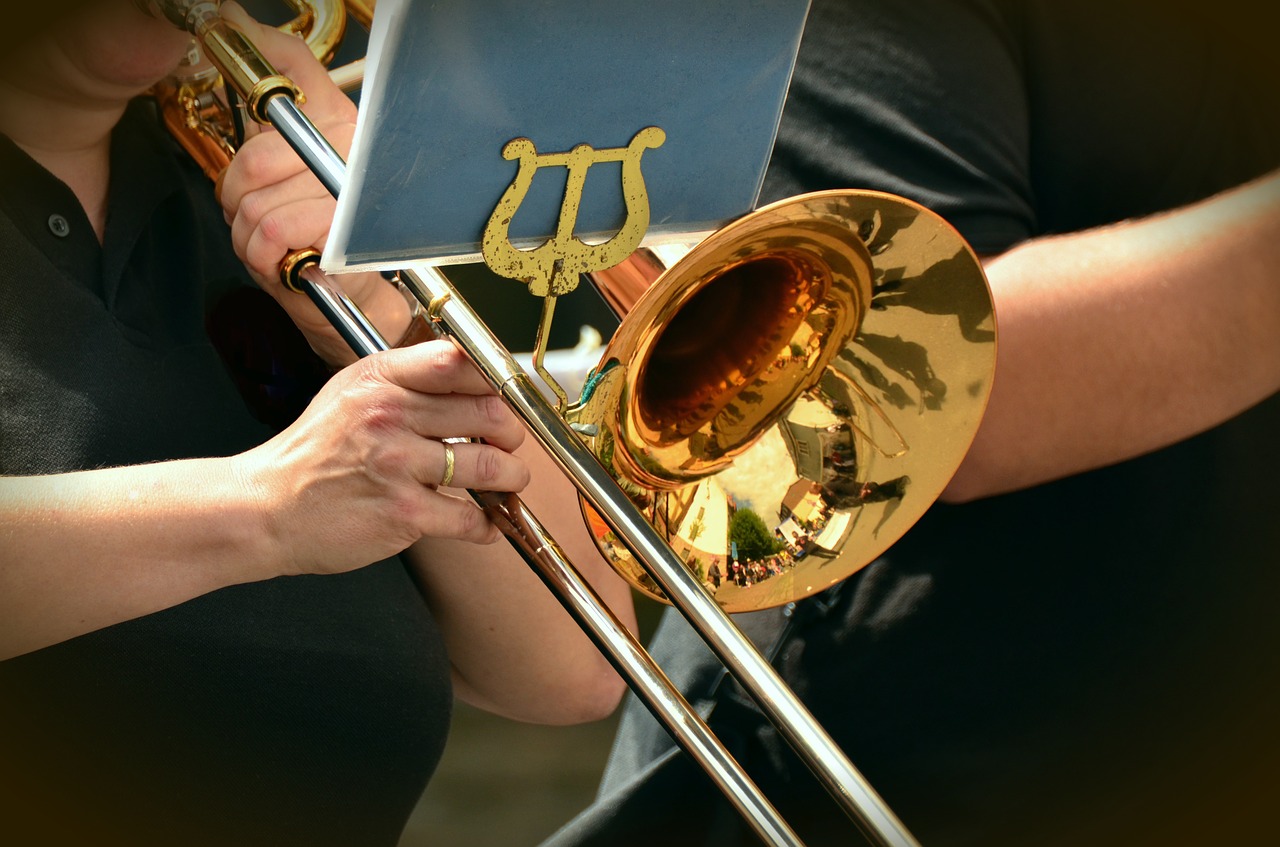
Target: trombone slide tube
[(636, 666), (539, 550), (343, 314), (312, 147), (778, 702)]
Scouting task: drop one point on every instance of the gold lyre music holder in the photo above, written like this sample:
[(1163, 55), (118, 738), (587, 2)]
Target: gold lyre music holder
[(555, 267)]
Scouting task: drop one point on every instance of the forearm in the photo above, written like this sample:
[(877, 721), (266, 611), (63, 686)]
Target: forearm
[(1123, 340), (82, 551), (514, 649), (349, 483)]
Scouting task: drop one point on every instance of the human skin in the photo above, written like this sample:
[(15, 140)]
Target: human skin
[(354, 480), (1118, 341)]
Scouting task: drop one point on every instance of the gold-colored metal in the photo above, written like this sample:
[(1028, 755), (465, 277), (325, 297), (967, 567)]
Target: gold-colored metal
[(554, 267), (293, 263), (322, 23), (821, 364), (246, 68), (810, 270), (434, 307), (447, 477), (789, 398), (196, 111), (540, 353)]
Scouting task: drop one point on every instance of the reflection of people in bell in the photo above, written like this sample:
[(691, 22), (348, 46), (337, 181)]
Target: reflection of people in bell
[(925, 296), (845, 493), (912, 361)]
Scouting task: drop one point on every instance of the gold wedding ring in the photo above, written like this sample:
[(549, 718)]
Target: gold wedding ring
[(448, 464)]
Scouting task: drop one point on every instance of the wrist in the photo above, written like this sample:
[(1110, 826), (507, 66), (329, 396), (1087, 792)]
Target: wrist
[(261, 546)]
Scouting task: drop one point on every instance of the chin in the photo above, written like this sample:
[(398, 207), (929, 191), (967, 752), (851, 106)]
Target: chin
[(112, 40)]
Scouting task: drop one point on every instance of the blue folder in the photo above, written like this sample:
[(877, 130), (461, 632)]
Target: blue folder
[(450, 82)]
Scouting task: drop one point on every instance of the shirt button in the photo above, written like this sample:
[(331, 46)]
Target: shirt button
[(58, 226)]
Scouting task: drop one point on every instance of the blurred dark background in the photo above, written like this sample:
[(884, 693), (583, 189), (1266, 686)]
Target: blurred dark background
[(508, 784)]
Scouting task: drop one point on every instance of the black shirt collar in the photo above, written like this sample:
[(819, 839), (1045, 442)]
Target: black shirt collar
[(143, 175)]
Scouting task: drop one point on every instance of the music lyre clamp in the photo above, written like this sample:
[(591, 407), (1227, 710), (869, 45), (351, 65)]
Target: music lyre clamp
[(819, 364)]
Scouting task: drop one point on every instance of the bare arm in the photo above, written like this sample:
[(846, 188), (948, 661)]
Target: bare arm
[(1122, 340), (514, 649), (350, 483), (85, 550)]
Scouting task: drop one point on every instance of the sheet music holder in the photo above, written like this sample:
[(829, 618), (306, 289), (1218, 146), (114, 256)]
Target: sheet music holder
[(450, 82)]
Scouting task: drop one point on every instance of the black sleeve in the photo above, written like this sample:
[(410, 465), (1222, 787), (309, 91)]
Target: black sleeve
[(923, 99), (1017, 118)]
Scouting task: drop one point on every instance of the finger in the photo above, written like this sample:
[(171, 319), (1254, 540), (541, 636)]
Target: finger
[(465, 416), (433, 367), (477, 466), (443, 516), (258, 204), (260, 161), (392, 411), (442, 396), (291, 56), (442, 404), (297, 225), (267, 160)]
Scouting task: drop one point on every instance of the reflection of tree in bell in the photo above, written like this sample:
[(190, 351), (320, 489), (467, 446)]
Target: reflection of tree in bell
[(695, 566), (695, 528), (748, 531)]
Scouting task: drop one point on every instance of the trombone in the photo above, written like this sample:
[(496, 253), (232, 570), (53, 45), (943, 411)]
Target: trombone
[(842, 260)]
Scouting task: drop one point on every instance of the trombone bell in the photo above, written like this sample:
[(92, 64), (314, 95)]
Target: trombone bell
[(788, 399)]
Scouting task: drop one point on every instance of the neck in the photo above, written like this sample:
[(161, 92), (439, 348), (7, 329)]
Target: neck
[(69, 138)]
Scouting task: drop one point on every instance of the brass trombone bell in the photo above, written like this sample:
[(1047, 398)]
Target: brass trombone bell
[(822, 363)]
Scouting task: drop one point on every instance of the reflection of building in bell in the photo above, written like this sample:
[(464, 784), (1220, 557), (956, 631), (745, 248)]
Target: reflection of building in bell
[(804, 443), (802, 502), (809, 431), (696, 522)]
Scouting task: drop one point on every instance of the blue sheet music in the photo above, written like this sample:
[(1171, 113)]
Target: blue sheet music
[(452, 81)]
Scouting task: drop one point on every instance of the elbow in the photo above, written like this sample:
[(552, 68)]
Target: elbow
[(592, 699), (961, 491), (968, 484), (586, 695)]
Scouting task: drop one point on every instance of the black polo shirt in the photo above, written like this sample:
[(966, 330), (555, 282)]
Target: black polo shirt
[(302, 710)]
